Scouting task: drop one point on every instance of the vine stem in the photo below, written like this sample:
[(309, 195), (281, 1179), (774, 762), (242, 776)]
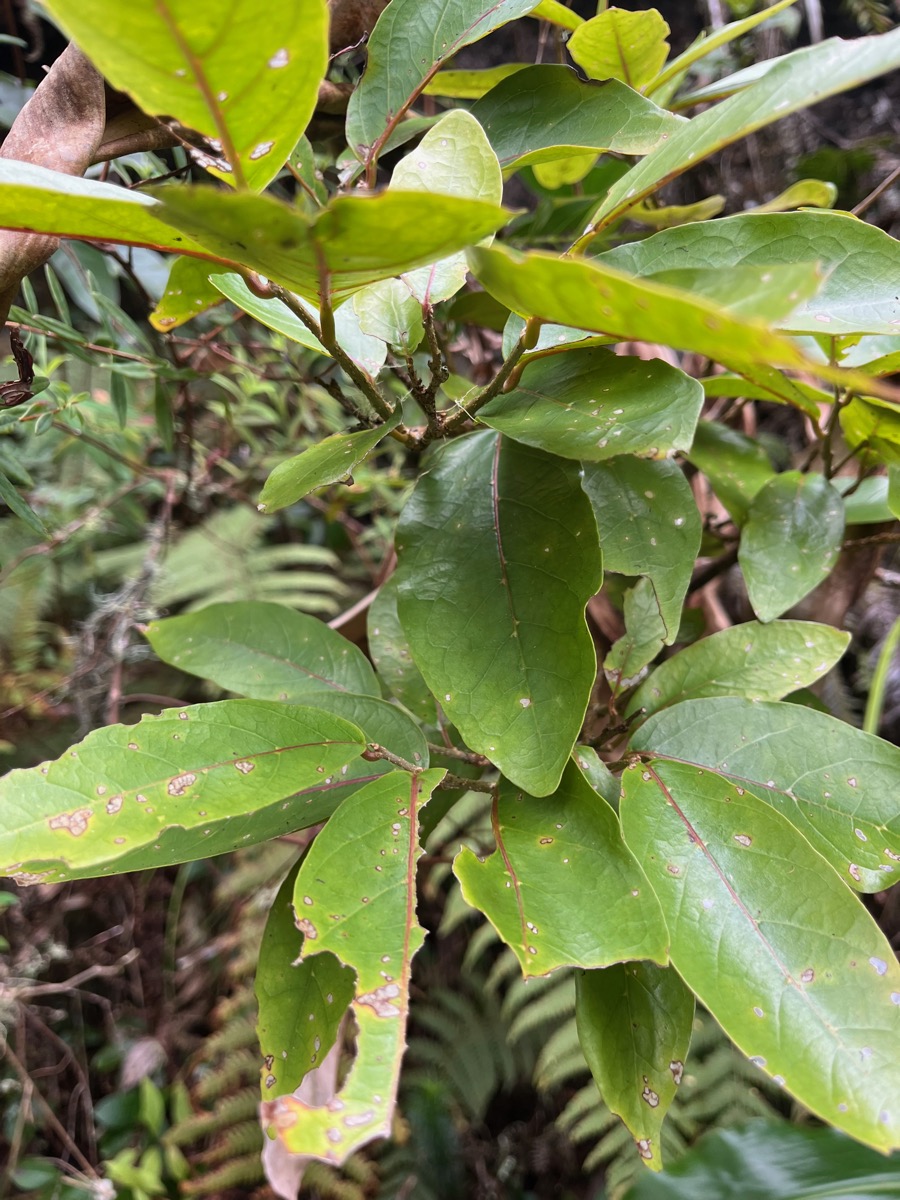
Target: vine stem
[(375, 752), (525, 340)]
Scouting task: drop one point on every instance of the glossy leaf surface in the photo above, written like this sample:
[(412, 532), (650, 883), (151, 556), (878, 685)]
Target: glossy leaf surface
[(187, 784), (782, 954), (634, 1025), (546, 112), (859, 264), (586, 295), (797, 80), (591, 405), (249, 84), (300, 1003), (561, 888), (834, 782), (498, 556), (361, 907), (328, 461), (790, 541), (188, 293), (616, 44), (408, 43), (391, 655), (262, 650), (649, 525), (758, 662)]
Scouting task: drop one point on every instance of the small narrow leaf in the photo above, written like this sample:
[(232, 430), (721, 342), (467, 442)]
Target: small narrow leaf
[(391, 655), (546, 112), (262, 650), (616, 44), (835, 783), (645, 635), (188, 293), (810, 1001), (649, 525), (735, 465), (469, 85), (561, 889), (14, 502), (300, 1003), (634, 1025), (759, 662), (361, 907), (791, 540), (167, 790), (591, 405), (498, 556), (329, 461)]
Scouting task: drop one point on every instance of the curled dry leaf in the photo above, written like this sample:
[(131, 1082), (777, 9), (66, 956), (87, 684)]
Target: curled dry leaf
[(60, 127)]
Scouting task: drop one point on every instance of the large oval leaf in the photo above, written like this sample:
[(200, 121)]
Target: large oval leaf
[(591, 405), (779, 950), (759, 662), (616, 44), (187, 784), (561, 888), (249, 84), (498, 556), (262, 650), (835, 783)]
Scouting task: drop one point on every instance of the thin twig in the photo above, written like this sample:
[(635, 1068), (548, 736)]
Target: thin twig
[(458, 420)]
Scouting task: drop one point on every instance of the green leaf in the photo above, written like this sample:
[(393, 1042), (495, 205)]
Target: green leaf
[(735, 465), (392, 658), (870, 425), (766, 383), (301, 1004), (634, 1025), (759, 662), (807, 990), (587, 295), (409, 42), (857, 264), (498, 556), (773, 1161), (355, 241), (557, 14), (262, 650), (249, 84), (546, 112), (168, 789), (835, 783), (328, 461), (868, 503), (369, 352), (616, 44), (591, 405), (790, 541), (545, 892), (189, 292), (14, 502), (361, 906), (805, 193), (469, 85), (644, 637), (390, 312), (649, 525), (799, 79)]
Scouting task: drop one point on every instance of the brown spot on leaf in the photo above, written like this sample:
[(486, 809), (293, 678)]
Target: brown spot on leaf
[(380, 1000), (650, 1097), (307, 928), (179, 785), (644, 1148), (75, 823), (677, 1069), (808, 975), (113, 804), (244, 766)]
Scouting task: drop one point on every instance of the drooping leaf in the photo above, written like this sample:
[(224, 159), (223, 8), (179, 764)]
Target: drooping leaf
[(736, 466), (409, 42), (393, 661), (546, 112), (834, 782), (858, 263), (790, 541), (805, 193), (300, 1003), (591, 405), (498, 555), (187, 784), (761, 382), (369, 352), (262, 650), (326, 462), (634, 1025), (616, 44), (797, 80), (645, 635), (561, 889), (649, 525), (361, 906), (249, 84), (469, 85), (872, 429), (573, 291), (773, 1160), (770, 939), (759, 662), (188, 293), (557, 14)]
